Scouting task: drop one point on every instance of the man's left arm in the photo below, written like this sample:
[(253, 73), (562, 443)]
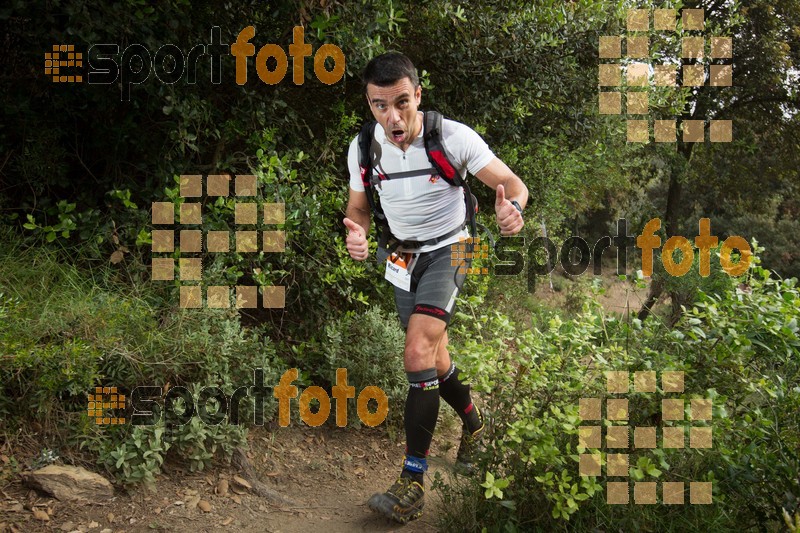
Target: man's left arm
[(509, 188)]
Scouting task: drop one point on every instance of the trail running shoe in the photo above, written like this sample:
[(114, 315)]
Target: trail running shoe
[(402, 502), (470, 444)]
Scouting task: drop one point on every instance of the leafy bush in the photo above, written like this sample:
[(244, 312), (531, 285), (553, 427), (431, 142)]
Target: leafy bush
[(777, 235), (370, 346), (136, 454), (739, 347), (529, 379), (685, 290), (746, 345), (63, 334)]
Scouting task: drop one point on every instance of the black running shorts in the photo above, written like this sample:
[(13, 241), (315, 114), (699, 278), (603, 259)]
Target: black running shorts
[(435, 283)]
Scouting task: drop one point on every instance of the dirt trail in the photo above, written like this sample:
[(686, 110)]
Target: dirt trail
[(328, 472)]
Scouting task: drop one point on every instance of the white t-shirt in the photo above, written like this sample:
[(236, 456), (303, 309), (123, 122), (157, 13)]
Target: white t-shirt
[(423, 206)]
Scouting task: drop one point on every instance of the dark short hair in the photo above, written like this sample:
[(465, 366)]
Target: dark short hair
[(389, 68)]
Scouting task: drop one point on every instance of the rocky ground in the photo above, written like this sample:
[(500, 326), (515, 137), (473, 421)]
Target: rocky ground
[(327, 474)]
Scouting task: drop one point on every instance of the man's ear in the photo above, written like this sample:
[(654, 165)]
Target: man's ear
[(418, 94)]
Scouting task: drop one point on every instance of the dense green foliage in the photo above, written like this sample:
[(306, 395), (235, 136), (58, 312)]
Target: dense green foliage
[(739, 347), (62, 334)]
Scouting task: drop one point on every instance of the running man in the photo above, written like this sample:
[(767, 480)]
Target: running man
[(426, 215)]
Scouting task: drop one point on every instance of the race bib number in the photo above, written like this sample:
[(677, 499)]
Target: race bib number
[(398, 268)]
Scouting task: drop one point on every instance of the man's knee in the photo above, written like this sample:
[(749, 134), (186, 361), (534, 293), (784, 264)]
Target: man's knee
[(419, 354), (422, 342)]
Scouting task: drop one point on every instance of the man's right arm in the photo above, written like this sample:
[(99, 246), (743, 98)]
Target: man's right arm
[(358, 209), (357, 223)]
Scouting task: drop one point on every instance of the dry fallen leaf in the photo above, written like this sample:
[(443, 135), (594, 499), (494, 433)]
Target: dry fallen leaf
[(227, 521), (242, 482), (41, 515), (193, 502)]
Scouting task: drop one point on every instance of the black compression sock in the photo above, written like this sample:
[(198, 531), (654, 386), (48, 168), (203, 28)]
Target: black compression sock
[(456, 393), (422, 409)]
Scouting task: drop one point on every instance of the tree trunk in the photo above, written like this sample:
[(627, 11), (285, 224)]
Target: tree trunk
[(671, 214), (656, 288)]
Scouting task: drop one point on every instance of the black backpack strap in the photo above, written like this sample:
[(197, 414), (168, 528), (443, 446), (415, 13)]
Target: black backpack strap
[(365, 151), (365, 137), (437, 155), (436, 151)]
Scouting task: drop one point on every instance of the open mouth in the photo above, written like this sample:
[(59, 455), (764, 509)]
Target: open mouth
[(398, 135)]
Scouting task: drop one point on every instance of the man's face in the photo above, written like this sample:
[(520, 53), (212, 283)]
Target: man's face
[(395, 108)]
